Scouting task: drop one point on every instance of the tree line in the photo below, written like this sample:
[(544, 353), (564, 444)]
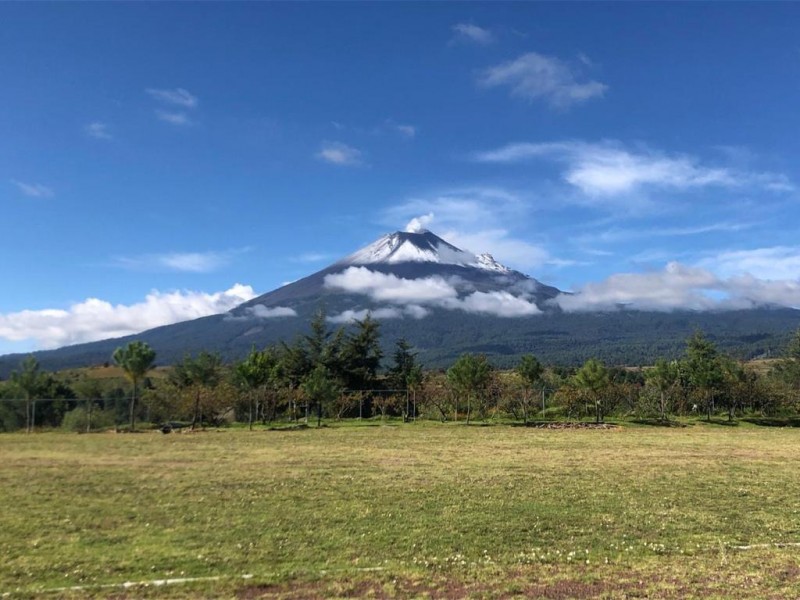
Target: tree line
[(339, 374)]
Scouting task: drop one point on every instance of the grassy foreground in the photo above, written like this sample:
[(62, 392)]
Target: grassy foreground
[(422, 510)]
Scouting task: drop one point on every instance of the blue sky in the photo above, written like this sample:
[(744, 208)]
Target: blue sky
[(165, 161)]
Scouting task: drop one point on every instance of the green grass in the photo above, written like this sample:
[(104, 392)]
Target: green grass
[(406, 510)]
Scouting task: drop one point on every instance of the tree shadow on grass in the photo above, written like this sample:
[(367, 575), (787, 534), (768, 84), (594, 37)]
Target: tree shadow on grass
[(773, 421), (723, 422), (658, 422)]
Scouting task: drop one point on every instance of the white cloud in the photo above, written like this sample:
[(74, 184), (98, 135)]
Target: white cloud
[(34, 190), (263, 312), (189, 262), (610, 169), (390, 288), (177, 97), (535, 76), (416, 294), (340, 154), (95, 319), (501, 304), (469, 33), (406, 131), (98, 131), (349, 316), (678, 287), (175, 118)]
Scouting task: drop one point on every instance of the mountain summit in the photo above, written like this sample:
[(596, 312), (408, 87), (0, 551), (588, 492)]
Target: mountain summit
[(419, 246)]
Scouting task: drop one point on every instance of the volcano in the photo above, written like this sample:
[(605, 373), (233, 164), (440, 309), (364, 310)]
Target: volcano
[(404, 273), (445, 301)]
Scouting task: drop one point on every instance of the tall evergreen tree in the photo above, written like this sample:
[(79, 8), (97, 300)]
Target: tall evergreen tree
[(361, 355)]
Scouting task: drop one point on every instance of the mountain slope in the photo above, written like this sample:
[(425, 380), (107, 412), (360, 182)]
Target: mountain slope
[(445, 301)]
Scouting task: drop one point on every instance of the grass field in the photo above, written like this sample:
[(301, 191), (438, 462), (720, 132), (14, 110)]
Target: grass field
[(418, 510)]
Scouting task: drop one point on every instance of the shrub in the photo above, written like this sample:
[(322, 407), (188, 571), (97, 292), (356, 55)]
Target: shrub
[(76, 419)]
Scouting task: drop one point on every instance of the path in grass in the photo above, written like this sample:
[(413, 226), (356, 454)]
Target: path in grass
[(406, 510)]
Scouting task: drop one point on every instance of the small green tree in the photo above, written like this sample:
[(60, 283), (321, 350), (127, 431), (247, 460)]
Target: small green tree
[(254, 374), (788, 369), (89, 389), (530, 370), (593, 378), (321, 389), (201, 375), (414, 381), (405, 374), (469, 377), (29, 381), (664, 376), (135, 359)]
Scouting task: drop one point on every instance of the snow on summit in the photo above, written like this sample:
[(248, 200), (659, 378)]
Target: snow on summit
[(420, 245)]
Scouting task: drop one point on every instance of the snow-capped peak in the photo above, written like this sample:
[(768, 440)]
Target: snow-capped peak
[(419, 246)]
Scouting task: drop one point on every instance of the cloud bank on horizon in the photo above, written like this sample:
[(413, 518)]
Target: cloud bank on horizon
[(95, 319)]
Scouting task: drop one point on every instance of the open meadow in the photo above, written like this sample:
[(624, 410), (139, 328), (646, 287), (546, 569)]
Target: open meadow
[(415, 510)]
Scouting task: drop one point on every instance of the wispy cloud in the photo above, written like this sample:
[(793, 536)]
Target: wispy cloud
[(98, 131), (95, 319), (535, 76), (175, 118), (34, 190), (471, 34), (337, 153), (609, 168), (405, 131), (189, 262), (312, 257), (619, 234), (176, 96), (772, 263)]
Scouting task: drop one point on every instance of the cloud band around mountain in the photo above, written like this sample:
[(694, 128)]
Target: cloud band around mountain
[(430, 292)]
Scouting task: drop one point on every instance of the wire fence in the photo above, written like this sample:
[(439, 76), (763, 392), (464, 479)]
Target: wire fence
[(104, 413)]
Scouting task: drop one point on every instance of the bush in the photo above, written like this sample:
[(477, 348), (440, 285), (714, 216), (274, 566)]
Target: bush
[(76, 419)]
